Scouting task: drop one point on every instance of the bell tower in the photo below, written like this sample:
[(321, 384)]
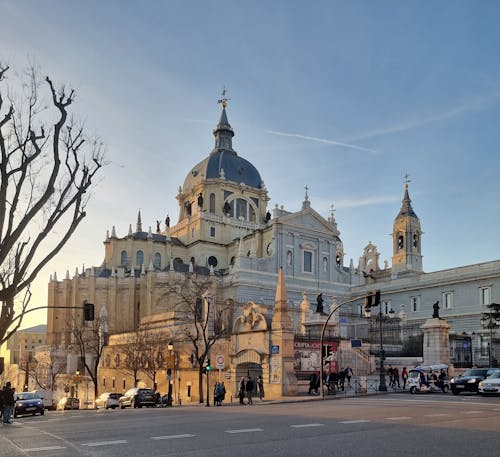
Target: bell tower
[(406, 238)]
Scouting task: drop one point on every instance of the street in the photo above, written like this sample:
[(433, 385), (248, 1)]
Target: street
[(382, 425)]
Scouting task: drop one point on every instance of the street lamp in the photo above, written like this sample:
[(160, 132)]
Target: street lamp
[(170, 348), (382, 387), (491, 321)]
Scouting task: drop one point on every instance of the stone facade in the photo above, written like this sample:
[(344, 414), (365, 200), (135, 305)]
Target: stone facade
[(225, 231)]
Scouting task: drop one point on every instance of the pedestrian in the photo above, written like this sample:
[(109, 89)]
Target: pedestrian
[(249, 386), (395, 375), (390, 372), (348, 375), (342, 378), (8, 402), (260, 386), (241, 390), (218, 394), (313, 379), (404, 377), (223, 392), (1, 402)]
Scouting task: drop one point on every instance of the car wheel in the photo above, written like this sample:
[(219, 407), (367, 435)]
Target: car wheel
[(455, 392), (413, 389), (446, 389), (42, 412), (15, 414), (122, 406), (132, 404)]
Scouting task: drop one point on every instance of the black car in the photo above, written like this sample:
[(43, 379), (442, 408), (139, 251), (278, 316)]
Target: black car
[(469, 380), (28, 403), (137, 398)]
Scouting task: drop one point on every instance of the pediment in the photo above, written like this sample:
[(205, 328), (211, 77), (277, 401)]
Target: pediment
[(309, 219)]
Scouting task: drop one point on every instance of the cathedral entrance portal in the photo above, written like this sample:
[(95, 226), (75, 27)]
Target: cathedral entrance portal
[(248, 369)]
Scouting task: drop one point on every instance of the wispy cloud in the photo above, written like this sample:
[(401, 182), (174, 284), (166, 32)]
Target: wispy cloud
[(470, 105), (321, 140)]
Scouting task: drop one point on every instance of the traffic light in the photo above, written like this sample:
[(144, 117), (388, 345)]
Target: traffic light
[(208, 367), (88, 311)]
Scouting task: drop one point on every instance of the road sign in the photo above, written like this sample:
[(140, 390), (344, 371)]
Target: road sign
[(220, 362), (356, 343), (275, 349)]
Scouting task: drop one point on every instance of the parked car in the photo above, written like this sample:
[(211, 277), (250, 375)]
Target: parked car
[(47, 397), (469, 380), (490, 385), (137, 398), (68, 403), (28, 403), (108, 400)]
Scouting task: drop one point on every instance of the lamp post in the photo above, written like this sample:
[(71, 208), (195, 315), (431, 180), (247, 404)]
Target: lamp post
[(382, 387), (491, 321), (170, 348)]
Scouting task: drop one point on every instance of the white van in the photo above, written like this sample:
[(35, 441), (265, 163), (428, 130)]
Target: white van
[(47, 397)]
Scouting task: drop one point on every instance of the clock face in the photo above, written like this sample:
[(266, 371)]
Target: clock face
[(270, 248)]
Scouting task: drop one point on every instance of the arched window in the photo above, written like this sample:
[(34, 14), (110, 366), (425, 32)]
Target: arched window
[(157, 260), (401, 241), (241, 209), (123, 258), (325, 264), (139, 258), (212, 261), (212, 203)]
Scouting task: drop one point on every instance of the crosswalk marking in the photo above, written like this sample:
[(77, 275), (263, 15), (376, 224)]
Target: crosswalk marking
[(172, 437), (245, 430), (46, 448), (357, 421), (306, 425), (105, 443), (472, 412), (401, 418), (436, 415)]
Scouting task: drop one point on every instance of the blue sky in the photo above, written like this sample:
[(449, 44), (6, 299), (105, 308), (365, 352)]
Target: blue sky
[(344, 97)]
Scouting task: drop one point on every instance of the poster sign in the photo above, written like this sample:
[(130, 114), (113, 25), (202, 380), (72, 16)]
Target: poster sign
[(275, 349)]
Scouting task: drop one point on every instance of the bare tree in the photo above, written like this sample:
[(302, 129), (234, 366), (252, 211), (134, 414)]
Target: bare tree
[(46, 172), (204, 318), (88, 340), (45, 367), (154, 354), (133, 352)]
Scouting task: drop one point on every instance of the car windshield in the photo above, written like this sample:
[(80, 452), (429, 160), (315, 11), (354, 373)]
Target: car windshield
[(494, 375), (476, 372), (115, 396), (27, 396)]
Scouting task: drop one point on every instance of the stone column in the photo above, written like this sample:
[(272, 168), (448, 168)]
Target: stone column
[(436, 341)]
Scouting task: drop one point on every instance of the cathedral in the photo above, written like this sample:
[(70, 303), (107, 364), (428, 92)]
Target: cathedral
[(266, 274)]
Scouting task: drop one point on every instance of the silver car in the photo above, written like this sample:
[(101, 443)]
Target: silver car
[(108, 400), (490, 385)]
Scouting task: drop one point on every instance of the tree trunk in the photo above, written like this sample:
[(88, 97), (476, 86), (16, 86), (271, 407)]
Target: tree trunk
[(200, 384)]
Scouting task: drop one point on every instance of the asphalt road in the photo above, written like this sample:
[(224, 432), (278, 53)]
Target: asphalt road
[(387, 425)]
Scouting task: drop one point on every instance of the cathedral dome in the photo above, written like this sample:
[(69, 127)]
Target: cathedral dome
[(223, 162)]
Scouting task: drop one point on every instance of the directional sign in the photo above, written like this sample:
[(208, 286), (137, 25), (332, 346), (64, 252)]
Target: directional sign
[(220, 362)]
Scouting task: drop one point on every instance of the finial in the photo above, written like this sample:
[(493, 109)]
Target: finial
[(332, 212), (407, 180), (223, 101), (306, 198)]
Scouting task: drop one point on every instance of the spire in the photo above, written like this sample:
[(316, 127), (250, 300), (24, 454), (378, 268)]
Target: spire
[(281, 318), (281, 294), (138, 227), (223, 132), (406, 208)]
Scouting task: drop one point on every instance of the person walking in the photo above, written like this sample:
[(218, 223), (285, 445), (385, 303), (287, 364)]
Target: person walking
[(8, 402), (241, 390), (404, 377), (348, 375), (390, 372), (313, 379), (260, 386), (342, 378), (395, 375), (1, 402), (249, 386)]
